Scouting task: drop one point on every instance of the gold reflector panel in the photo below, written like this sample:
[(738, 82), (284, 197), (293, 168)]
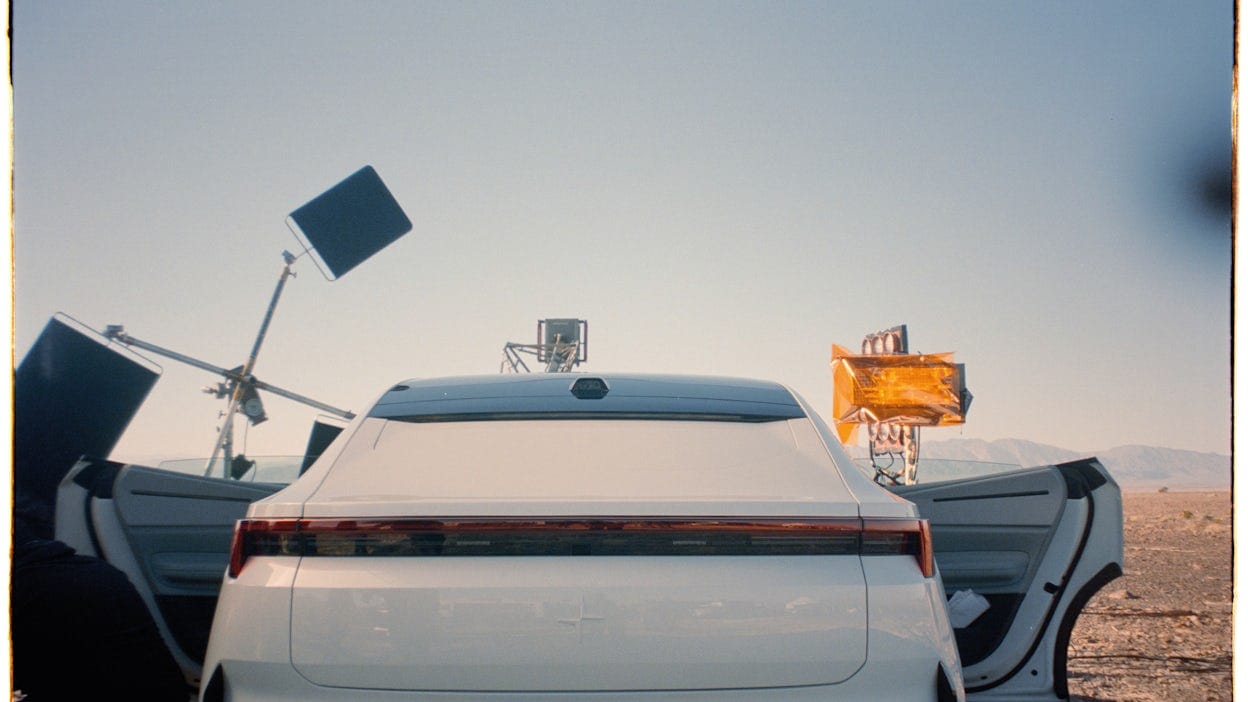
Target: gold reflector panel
[(911, 389)]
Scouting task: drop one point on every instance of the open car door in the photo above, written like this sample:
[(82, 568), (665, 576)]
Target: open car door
[(1036, 544), (168, 532)]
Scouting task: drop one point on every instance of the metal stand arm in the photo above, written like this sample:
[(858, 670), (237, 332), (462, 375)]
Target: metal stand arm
[(241, 380)]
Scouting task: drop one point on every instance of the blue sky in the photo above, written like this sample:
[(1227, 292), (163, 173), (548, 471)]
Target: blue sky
[(719, 188)]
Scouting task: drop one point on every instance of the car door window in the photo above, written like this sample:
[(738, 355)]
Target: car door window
[(273, 470)]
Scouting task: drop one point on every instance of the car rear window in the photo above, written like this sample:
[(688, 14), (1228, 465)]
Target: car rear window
[(589, 459)]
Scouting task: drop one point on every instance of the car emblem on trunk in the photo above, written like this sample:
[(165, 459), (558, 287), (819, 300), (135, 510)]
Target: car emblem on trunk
[(581, 620)]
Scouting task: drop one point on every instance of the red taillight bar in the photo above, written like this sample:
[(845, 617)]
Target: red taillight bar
[(881, 536), (247, 534), (711, 536)]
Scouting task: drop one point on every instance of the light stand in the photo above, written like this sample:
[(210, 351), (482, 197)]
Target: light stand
[(342, 227), (237, 389), (241, 386), (562, 344)]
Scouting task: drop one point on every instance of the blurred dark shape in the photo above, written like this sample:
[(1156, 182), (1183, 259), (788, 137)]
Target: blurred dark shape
[(1205, 178), (1217, 190), (239, 466), (80, 630), (1209, 200), (350, 222), (72, 395), (321, 437)]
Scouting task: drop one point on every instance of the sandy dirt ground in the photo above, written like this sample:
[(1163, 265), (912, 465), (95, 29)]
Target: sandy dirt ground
[(1163, 630)]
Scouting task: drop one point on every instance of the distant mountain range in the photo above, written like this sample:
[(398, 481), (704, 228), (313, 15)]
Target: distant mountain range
[(1133, 467)]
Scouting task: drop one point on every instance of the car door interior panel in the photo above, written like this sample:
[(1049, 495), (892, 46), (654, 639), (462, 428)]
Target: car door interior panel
[(1015, 539), (169, 532)]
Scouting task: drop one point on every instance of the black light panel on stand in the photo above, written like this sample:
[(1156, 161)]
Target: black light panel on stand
[(73, 395), (323, 434), (350, 222)]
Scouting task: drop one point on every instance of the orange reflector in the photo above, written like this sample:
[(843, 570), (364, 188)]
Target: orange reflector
[(909, 389)]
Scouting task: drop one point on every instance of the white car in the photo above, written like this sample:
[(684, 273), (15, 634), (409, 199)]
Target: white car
[(604, 537)]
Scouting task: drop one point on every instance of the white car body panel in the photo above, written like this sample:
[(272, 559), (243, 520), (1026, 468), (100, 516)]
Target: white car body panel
[(873, 499), (504, 624), (253, 642), (712, 623)]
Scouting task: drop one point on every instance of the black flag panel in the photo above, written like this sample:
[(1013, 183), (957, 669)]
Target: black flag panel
[(350, 222)]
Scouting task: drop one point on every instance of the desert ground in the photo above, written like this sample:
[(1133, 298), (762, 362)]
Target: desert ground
[(1163, 630)]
